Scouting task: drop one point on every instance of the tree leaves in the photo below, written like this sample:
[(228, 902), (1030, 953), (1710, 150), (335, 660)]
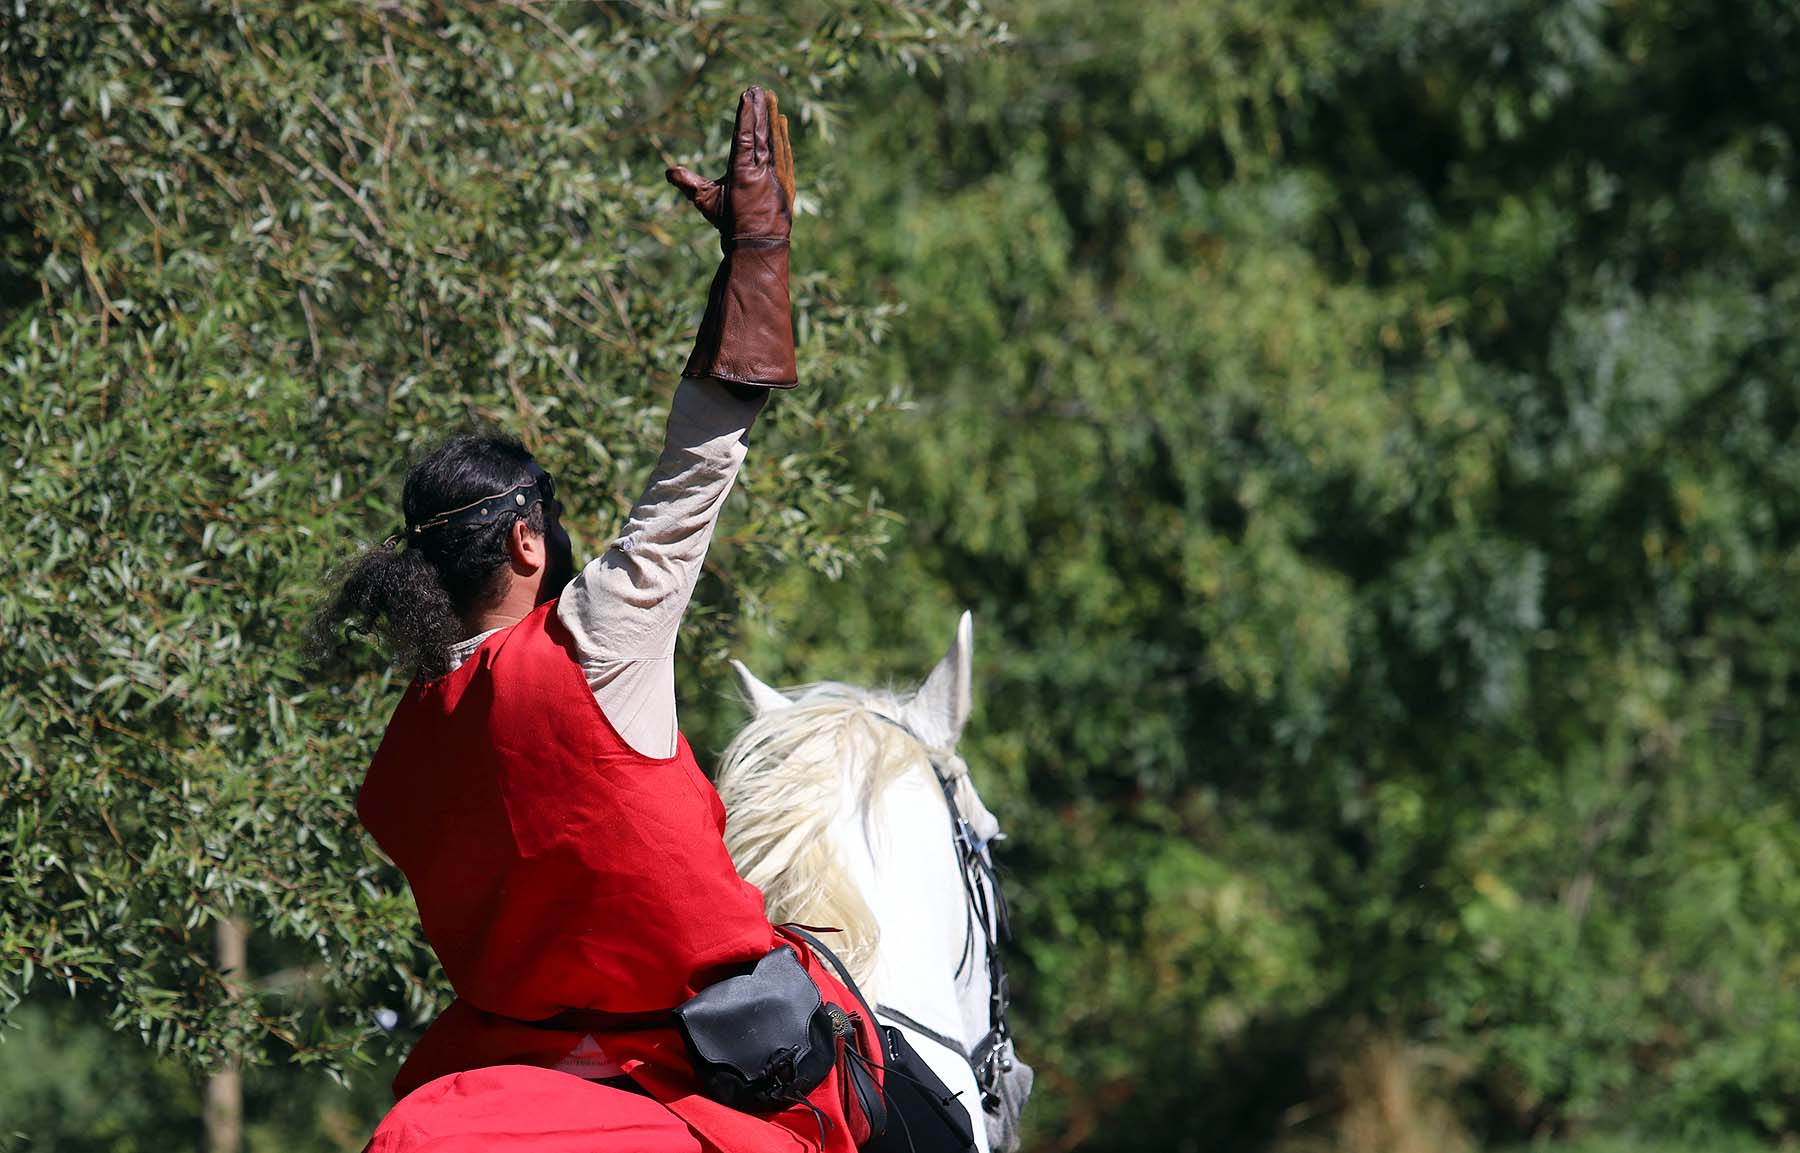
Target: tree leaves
[(257, 255), (1366, 437)]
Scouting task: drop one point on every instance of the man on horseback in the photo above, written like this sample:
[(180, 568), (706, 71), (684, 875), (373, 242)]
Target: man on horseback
[(563, 847)]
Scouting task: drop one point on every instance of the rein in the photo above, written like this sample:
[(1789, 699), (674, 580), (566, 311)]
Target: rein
[(991, 1056)]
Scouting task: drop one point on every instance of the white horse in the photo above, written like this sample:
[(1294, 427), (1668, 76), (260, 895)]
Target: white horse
[(849, 807)]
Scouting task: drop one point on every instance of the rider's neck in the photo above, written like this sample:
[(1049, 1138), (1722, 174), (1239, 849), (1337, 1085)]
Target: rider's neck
[(514, 602)]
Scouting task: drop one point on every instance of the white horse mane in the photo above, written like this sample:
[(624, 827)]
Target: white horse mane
[(783, 780)]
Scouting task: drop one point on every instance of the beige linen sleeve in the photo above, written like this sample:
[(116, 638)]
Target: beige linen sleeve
[(625, 607)]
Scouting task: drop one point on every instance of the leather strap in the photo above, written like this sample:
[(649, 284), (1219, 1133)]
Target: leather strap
[(950, 1043), (624, 1084), (984, 905), (819, 947), (598, 1021)]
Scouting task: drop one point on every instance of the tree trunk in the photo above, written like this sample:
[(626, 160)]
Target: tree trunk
[(225, 1088)]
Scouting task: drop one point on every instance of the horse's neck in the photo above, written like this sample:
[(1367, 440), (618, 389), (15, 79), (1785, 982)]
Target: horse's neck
[(908, 871)]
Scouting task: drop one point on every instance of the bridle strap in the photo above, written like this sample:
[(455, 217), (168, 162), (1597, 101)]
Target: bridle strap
[(950, 1043), (991, 1055)]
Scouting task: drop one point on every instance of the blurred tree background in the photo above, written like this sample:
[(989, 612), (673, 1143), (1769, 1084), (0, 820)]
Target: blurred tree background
[(1365, 434)]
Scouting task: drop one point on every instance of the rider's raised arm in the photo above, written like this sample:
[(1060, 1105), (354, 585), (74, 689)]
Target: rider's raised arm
[(626, 606)]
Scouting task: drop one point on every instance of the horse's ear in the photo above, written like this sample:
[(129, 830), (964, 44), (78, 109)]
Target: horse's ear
[(945, 700), (761, 697)]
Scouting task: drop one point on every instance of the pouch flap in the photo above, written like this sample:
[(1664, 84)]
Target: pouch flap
[(746, 1021)]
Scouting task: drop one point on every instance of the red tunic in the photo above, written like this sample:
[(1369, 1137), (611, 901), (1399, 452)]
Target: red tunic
[(557, 868)]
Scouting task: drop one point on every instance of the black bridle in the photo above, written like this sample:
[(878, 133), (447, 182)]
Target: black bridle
[(984, 904)]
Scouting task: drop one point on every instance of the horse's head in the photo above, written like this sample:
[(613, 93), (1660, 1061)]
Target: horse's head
[(851, 808)]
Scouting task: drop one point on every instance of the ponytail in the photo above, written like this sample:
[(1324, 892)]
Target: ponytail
[(393, 591)]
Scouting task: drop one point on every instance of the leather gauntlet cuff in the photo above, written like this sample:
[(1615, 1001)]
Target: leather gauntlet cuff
[(747, 335)]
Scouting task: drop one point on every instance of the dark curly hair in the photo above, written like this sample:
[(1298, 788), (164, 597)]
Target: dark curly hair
[(416, 595)]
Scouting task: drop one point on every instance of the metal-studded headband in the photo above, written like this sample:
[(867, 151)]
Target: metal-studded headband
[(538, 487)]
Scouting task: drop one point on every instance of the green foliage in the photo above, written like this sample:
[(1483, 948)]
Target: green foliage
[(70, 1084), (252, 255), (1366, 436), (120, 1099)]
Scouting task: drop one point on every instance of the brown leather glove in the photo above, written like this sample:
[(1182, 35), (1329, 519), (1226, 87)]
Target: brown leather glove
[(747, 335)]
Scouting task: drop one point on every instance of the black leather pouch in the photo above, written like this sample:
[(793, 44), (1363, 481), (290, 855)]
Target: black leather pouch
[(760, 1041), (923, 1116)]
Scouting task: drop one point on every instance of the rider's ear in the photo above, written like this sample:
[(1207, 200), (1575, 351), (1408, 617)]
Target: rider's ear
[(524, 547), (942, 706), (761, 697)]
